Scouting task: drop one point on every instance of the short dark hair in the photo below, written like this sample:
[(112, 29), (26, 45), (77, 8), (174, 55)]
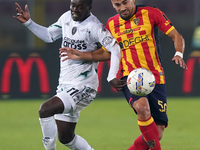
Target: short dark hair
[(88, 2)]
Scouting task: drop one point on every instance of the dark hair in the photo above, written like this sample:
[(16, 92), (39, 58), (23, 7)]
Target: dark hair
[(88, 2)]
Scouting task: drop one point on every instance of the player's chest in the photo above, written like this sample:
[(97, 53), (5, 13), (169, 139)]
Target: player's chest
[(75, 31), (136, 29), (75, 36)]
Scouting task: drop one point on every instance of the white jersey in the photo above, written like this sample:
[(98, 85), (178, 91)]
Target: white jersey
[(84, 36)]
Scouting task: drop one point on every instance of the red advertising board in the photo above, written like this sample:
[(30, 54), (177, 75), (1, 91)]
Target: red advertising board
[(35, 74)]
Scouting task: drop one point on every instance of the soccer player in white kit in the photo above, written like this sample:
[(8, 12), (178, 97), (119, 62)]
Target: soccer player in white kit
[(78, 81)]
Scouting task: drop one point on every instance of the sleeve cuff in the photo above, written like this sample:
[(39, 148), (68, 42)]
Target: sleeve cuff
[(110, 78), (27, 23)]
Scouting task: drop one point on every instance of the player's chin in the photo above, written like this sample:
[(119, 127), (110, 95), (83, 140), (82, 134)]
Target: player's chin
[(125, 16), (76, 17)]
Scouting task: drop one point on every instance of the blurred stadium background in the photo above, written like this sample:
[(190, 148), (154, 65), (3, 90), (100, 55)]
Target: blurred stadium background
[(29, 71), (21, 50)]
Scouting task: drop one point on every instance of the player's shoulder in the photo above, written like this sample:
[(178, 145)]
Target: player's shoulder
[(113, 18), (92, 21), (151, 9), (66, 15)]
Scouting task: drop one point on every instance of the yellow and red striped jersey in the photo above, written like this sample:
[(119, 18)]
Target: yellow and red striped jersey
[(138, 39)]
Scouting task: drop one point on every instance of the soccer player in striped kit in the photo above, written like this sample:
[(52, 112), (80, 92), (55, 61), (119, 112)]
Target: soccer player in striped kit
[(135, 28), (78, 80)]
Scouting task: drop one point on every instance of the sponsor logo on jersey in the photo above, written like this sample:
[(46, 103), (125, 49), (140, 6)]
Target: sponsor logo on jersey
[(76, 44), (132, 41), (129, 31)]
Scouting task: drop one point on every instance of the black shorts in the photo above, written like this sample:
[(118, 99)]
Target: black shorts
[(157, 101)]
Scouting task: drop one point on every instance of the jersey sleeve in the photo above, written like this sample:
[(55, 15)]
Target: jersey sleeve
[(161, 21), (40, 31), (109, 44), (104, 37), (107, 27), (55, 29)]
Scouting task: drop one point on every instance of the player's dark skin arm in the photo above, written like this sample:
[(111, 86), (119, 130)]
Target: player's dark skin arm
[(118, 84), (97, 55), (22, 15)]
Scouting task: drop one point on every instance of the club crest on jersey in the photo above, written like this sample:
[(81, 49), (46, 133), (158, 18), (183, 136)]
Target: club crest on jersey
[(136, 21), (107, 40), (74, 29)]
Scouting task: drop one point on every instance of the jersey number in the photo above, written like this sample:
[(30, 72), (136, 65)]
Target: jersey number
[(163, 106)]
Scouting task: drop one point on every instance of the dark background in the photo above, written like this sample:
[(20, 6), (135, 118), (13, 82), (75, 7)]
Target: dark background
[(15, 38)]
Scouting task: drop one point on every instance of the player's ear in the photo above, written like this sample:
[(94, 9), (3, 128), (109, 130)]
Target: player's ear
[(90, 7), (133, 1)]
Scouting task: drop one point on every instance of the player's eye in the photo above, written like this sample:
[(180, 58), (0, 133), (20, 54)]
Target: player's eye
[(80, 8), (117, 5), (124, 2), (77, 7)]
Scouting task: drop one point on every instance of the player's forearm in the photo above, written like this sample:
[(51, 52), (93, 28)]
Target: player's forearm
[(100, 55), (39, 31), (179, 43), (97, 55)]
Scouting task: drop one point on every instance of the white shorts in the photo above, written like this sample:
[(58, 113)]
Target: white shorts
[(74, 98)]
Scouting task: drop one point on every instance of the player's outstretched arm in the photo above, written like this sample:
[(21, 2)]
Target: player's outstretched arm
[(179, 44), (97, 55), (22, 15)]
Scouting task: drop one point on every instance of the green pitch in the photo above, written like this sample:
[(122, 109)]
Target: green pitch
[(107, 124)]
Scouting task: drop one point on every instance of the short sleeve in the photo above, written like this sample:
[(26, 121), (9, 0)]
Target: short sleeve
[(161, 20), (105, 37)]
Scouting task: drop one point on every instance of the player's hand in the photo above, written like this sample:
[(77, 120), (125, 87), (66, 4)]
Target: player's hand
[(180, 61), (22, 16), (118, 84), (69, 53)]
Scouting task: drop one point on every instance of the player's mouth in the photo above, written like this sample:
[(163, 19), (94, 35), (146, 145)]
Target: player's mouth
[(125, 13), (76, 15)]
